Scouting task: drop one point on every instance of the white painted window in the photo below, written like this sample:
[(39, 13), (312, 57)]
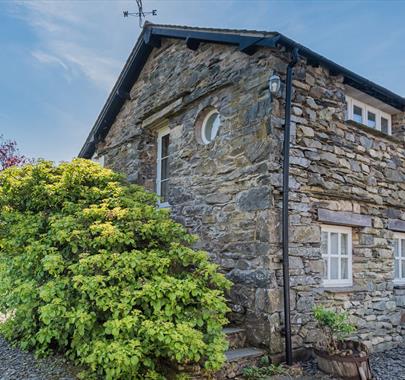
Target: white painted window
[(358, 113), (98, 159), (368, 115), (399, 258), (371, 119), (162, 170), (385, 125), (210, 126), (336, 249)]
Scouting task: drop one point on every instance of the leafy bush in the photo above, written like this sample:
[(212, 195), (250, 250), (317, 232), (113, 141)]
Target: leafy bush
[(334, 326), (258, 373), (91, 268), (264, 370)]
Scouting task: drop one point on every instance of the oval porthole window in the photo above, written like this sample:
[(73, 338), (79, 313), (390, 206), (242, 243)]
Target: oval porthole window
[(210, 126)]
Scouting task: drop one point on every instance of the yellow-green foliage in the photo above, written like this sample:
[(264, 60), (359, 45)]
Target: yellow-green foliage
[(90, 267)]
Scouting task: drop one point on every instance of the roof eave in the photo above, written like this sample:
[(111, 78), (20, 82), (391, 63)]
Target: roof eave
[(115, 100), (351, 78), (247, 43)]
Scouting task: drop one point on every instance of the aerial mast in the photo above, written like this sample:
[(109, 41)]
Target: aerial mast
[(140, 14)]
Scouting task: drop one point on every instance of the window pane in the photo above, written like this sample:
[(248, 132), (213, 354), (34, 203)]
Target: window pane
[(215, 127), (164, 191), (207, 131), (324, 243), (325, 268), (396, 268), (164, 169), (344, 271), (403, 247), (402, 269), (334, 268), (165, 145), (343, 244), (384, 125), (396, 247), (334, 243), (371, 119), (357, 114), (212, 127)]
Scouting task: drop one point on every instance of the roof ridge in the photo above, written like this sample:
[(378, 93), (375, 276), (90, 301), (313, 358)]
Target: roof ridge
[(208, 29)]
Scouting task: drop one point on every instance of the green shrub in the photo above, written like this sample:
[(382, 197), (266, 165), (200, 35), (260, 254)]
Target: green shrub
[(334, 326), (91, 268), (264, 370)]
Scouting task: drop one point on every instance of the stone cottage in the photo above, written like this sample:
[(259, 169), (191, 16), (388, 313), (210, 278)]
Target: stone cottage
[(191, 117)]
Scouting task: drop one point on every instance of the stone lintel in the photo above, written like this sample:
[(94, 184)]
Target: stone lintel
[(396, 225), (162, 113), (344, 218)]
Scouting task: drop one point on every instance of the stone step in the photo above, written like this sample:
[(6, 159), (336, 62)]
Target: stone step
[(242, 353), (236, 337), (237, 359)]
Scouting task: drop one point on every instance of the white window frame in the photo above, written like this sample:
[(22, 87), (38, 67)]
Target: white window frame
[(351, 102), (401, 279), (340, 230), (361, 106), (99, 159), (204, 125), (161, 133)]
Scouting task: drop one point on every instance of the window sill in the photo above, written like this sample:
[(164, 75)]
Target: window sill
[(343, 289), (372, 131), (164, 205), (399, 285)]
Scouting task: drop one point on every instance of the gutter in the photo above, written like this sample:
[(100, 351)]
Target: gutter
[(351, 78), (285, 222)]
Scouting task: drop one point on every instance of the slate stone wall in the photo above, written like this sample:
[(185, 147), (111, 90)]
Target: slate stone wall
[(343, 166), (229, 192)]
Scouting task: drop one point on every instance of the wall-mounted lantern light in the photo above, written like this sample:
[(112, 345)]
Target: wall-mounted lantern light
[(274, 84)]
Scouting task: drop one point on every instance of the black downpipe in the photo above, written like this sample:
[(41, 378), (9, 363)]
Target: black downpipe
[(286, 172)]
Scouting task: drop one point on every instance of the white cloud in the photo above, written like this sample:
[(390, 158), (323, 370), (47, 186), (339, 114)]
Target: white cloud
[(48, 59), (67, 35), (102, 70)]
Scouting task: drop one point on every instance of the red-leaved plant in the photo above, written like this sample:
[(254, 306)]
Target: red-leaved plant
[(10, 154)]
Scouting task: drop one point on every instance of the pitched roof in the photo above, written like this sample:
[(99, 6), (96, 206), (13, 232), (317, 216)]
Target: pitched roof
[(246, 40)]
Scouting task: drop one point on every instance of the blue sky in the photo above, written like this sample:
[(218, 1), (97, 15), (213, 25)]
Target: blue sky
[(59, 59)]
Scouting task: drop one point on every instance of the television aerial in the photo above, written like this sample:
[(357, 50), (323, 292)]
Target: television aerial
[(140, 14)]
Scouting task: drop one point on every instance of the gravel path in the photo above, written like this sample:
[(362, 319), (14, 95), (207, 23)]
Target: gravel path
[(18, 365), (312, 372), (389, 365)]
